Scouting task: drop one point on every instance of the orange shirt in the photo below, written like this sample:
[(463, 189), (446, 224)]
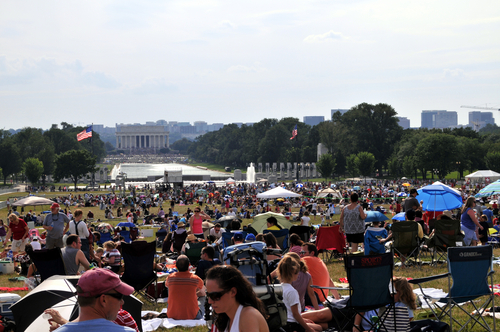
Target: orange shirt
[(182, 299), (319, 274)]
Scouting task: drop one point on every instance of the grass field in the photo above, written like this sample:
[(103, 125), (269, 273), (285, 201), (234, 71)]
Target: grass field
[(335, 267)]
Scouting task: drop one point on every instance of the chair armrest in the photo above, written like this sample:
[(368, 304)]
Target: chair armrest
[(330, 288), (431, 278)]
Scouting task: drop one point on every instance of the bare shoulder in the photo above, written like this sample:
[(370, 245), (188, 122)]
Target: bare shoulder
[(251, 320)]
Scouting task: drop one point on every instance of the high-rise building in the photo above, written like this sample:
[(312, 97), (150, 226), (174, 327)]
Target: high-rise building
[(478, 120), (342, 111), (404, 122), (439, 119), (313, 120)]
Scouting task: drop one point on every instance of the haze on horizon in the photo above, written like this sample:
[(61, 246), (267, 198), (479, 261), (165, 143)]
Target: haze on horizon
[(113, 62)]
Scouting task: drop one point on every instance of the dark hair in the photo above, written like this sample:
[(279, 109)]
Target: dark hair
[(182, 263), (235, 225), (271, 241), (354, 197), (418, 214), (311, 247), (217, 225), (78, 212), (228, 277), (272, 220), (72, 238), (296, 240), (209, 250), (294, 255), (410, 214), (413, 191)]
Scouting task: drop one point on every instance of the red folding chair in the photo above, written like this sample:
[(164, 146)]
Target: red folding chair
[(330, 241)]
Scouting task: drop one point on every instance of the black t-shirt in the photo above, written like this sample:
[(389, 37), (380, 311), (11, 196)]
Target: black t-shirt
[(484, 232), (204, 266)]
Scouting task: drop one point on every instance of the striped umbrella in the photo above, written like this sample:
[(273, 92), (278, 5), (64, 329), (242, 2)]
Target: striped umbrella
[(489, 190)]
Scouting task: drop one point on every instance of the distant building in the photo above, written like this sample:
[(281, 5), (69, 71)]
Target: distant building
[(201, 126), (142, 138), (313, 120), (239, 124), (439, 119), (404, 122), (342, 111), (215, 126), (478, 120)]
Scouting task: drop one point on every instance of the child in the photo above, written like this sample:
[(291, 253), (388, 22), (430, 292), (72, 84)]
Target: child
[(288, 271), (3, 232), (484, 233), (98, 257), (375, 239), (112, 256)]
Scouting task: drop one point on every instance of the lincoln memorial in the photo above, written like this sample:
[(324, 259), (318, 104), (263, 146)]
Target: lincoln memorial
[(143, 137)]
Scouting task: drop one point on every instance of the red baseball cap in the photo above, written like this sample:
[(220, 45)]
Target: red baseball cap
[(100, 281), (55, 205)]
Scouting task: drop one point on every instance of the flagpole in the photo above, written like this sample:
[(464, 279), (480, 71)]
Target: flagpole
[(298, 157), (92, 151)]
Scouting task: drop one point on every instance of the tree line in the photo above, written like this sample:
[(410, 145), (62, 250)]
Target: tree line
[(37, 153), (366, 140)]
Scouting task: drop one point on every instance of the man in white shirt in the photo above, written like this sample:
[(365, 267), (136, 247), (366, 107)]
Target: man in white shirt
[(79, 228)]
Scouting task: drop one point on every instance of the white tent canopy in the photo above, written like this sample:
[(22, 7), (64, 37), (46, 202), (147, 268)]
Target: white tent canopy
[(32, 201), (326, 192), (480, 176), (277, 193)]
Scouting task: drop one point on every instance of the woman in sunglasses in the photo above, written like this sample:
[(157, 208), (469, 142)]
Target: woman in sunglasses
[(235, 305), (196, 222)]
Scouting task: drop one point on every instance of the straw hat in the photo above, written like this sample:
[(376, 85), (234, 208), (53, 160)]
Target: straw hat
[(181, 224), (191, 237)]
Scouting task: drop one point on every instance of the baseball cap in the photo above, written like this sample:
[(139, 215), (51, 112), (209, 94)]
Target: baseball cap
[(238, 236), (100, 281), (53, 206), (250, 238)]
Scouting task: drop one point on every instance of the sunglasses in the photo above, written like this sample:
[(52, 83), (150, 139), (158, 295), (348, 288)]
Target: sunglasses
[(302, 252), (117, 296), (215, 296)]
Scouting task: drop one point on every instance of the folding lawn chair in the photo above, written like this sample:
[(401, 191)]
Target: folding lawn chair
[(193, 251), (104, 238), (447, 233), (227, 239), (178, 240), (304, 232), (405, 243), (468, 272), (281, 237), (139, 273), (330, 240), (126, 236), (367, 292), (250, 259), (48, 262)]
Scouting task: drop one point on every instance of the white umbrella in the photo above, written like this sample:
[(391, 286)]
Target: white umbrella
[(32, 201), (326, 192), (277, 193)]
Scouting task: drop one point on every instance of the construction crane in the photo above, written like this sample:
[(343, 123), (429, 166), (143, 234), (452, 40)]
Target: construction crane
[(481, 108)]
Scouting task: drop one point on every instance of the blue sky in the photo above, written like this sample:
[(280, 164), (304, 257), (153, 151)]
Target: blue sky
[(110, 62)]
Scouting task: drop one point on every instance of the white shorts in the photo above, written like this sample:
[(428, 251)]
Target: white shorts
[(19, 245)]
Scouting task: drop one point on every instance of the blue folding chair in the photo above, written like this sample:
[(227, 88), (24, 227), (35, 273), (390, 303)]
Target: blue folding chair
[(126, 236), (281, 237), (468, 272), (104, 237), (227, 239), (250, 259)]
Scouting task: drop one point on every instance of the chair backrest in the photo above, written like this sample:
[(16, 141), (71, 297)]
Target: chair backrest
[(178, 240), (126, 236), (250, 259), (138, 257), (104, 237), (304, 232), (134, 231), (469, 268), (281, 237), (193, 251), (447, 233), (367, 292), (48, 262), (227, 239), (329, 237), (405, 235)]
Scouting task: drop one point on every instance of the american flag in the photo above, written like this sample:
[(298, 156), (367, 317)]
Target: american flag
[(294, 132), (84, 134)]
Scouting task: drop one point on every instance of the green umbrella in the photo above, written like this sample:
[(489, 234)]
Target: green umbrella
[(260, 221)]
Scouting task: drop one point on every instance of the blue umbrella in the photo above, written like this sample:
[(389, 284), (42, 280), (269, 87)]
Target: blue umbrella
[(356, 188), (400, 216), (439, 197), (126, 224), (401, 194), (375, 216), (489, 190)]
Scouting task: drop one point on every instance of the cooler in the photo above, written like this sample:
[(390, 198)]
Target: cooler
[(6, 267), (6, 300)]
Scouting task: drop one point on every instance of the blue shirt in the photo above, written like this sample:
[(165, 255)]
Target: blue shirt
[(488, 213)]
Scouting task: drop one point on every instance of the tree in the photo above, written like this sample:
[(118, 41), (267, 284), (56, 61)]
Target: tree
[(74, 164), (351, 165), (325, 165), (33, 168), (365, 163), (181, 145), (409, 166), (10, 160), (437, 152), (493, 161), (393, 166)]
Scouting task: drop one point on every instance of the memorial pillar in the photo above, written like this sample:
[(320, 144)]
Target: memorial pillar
[(117, 141)]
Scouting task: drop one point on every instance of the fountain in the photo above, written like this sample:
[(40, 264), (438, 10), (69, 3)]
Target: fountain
[(251, 173)]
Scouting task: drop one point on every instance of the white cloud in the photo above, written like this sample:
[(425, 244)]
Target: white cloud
[(456, 73), (246, 69), (226, 24), (325, 37)]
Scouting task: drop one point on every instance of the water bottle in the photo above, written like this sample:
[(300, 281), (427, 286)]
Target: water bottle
[(10, 256)]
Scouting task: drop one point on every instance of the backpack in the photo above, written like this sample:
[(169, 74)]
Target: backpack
[(7, 324), (276, 309)]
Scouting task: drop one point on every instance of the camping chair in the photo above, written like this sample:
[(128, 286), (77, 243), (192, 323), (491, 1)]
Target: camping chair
[(304, 232), (281, 238), (178, 240), (139, 273), (250, 259), (330, 240), (447, 233), (193, 251), (126, 236), (134, 231), (468, 272), (368, 293), (227, 239), (48, 262), (105, 236), (405, 243)]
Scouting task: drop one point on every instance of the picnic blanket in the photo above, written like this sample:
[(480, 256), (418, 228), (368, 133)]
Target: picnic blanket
[(168, 323)]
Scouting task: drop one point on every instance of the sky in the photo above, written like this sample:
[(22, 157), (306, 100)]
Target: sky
[(108, 62)]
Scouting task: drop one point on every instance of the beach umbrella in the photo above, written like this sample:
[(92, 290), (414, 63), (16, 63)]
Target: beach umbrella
[(439, 197), (406, 184), (375, 216), (126, 224), (356, 188), (400, 216), (105, 228), (401, 194), (201, 192), (299, 185), (489, 190), (278, 192), (259, 223), (33, 201), (226, 220)]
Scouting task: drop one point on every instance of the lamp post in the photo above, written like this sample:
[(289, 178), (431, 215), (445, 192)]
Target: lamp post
[(459, 173), (307, 167), (436, 171)]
